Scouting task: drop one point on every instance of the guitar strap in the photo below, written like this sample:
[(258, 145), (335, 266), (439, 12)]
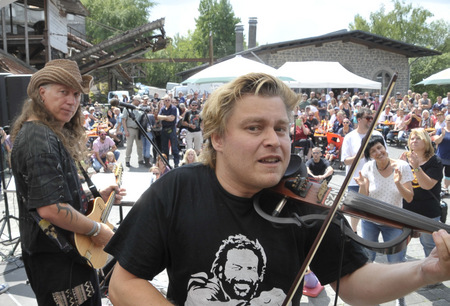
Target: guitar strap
[(89, 182)]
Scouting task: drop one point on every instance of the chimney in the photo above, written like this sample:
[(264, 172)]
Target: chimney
[(252, 21), (239, 30)]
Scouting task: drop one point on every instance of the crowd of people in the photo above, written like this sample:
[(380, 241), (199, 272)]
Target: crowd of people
[(198, 221)]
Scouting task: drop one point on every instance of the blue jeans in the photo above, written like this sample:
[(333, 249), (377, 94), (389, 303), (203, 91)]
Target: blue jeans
[(427, 241), (166, 135), (146, 144), (371, 231), (97, 165)]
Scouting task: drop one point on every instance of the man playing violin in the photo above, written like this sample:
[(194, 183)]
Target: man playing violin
[(199, 223)]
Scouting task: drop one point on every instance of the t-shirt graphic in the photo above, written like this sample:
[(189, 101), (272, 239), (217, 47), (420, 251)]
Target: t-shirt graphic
[(235, 276)]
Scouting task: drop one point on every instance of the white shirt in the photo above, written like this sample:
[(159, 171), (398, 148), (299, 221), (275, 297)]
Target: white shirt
[(350, 146)]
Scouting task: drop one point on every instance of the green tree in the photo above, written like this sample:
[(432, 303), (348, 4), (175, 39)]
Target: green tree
[(411, 25), (218, 19), (108, 18)]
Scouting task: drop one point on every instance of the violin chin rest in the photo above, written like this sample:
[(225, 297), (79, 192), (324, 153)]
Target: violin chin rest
[(295, 167)]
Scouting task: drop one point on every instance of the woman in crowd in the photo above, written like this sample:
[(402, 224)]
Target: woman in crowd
[(404, 104), (332, 105), (347, 108), (300, 132), (387, 180), (189, 157), (426, 120), (111, 118), (346, 128), (163, 168), (427, 169), (443, 151)]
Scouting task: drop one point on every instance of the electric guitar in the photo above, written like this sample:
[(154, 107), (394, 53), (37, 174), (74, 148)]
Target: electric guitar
[(98, 212)]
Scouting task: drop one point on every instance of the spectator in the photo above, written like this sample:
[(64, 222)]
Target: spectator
[(304, 102), (443, 152), (350, 147), (399, 125), (300, 133), (132, 131), (425, 103), (323, 113), (168, 115), (446, 99), (192, 121), (116, 133), (426, 120), (101, 146), (346, 127), (427, 169), (412, 121), (338, 124), (387, 180), (189, 157), (440, 122), (319, 168), (147, 122)]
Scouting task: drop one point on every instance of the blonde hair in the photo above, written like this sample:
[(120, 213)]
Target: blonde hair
[(185, 157), (422, 134), (221, 104)]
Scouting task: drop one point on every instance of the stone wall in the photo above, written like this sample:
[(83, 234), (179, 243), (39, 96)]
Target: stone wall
[(358, 59)]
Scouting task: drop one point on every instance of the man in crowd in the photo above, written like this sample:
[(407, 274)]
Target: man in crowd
[(132, 131), (192, 121), (319, 168), (199, 221), (350, 147), (102, 145), (168, 115)]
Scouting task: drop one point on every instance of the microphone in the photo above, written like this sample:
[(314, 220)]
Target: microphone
[(117, 103)]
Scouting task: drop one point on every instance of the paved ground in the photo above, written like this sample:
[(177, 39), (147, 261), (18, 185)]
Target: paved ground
[(20, 293)]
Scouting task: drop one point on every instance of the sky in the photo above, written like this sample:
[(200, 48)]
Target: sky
[(284, 20)]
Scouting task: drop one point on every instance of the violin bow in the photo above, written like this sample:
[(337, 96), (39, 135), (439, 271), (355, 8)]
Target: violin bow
[(332, 212)]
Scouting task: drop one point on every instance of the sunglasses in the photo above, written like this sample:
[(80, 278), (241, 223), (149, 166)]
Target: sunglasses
[(368, 118), (346, 122)]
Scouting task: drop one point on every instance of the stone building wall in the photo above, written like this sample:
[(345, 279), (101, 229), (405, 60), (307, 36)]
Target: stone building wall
[(356, 58)]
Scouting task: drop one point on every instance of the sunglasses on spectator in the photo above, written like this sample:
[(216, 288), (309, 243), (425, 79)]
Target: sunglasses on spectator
[(368, 118)]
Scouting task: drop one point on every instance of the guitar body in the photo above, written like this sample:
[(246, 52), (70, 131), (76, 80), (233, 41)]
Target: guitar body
[(84, 244)]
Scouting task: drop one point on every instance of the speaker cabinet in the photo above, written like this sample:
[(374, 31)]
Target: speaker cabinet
[(16, 93)]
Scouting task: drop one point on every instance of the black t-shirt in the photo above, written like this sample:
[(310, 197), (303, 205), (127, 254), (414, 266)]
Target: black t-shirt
[(193, 117), (427, 202), (188, 224), (317, 168)]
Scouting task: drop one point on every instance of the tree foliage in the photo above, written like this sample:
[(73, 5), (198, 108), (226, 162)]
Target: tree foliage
[(108, 18), (218, 19), (411, 25)]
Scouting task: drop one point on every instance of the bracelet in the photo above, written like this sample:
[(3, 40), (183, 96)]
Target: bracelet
[(98, 229), (93, 230)]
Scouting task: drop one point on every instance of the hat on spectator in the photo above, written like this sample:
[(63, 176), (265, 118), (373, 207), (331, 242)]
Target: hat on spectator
[(346, 93), (193, 103), (137, 97), (86, 113), (145, 97), (91, 108), (60, 71), (398, 93), (336, 108)]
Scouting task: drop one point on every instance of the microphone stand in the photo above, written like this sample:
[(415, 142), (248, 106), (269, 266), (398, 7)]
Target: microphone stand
[(144, 133), (6, 219)]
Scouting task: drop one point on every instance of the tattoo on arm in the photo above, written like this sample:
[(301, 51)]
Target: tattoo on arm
[(67, 209)]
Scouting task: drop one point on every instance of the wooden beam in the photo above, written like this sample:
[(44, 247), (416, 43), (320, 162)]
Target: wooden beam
[(167, 60)]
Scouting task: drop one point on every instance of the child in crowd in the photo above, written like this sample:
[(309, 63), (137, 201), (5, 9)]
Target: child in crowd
[(331, 153), (156, 173), (110, 162)]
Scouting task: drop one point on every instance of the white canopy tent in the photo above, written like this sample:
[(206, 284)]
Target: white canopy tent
[(212, 77), (440, 78), (317, 74)]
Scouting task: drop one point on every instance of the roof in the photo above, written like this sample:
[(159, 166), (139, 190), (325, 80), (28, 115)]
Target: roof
[(9, 63), (74, 7), (358, 37)]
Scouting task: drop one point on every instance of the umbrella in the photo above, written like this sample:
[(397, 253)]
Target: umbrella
[(440, 78), (228, 70)]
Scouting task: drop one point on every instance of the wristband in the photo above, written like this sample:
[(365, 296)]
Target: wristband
[(93, 230), (99, 227)]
